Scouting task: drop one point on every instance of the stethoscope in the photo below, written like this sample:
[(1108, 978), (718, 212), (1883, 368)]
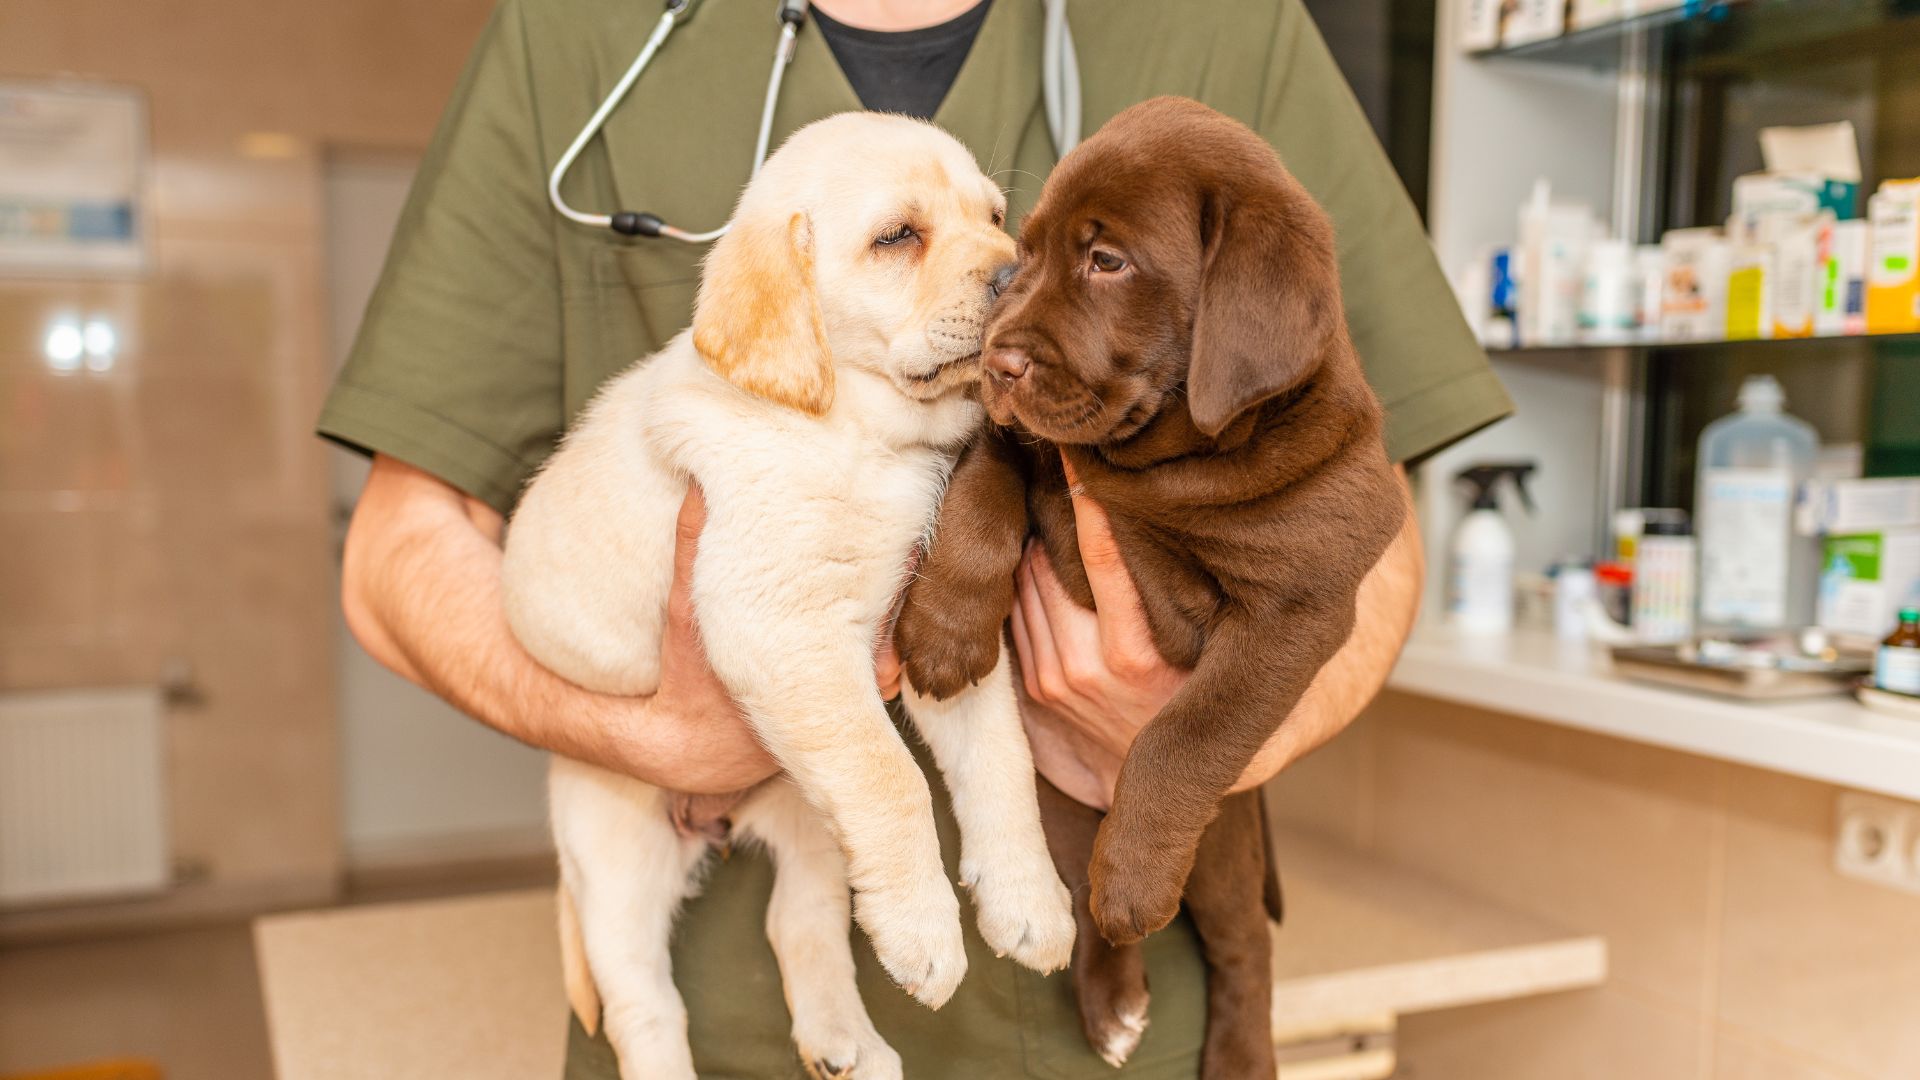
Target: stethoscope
[(1059, 86)]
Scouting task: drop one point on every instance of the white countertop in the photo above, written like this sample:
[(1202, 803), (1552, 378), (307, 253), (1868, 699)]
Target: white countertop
[(471, 987), (1534, 675)]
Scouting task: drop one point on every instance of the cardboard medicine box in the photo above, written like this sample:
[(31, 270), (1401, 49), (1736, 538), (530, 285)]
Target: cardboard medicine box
[(1695, 266), (1758, 196), (1866, 578), (1858, 506)]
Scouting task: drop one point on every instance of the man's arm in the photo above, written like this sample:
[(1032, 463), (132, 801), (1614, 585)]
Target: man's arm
[(421, 592), (1389, 603), (1097, 678)]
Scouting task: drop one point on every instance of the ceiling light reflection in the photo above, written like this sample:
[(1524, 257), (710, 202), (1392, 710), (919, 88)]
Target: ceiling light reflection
[(64, 345), (100, 341)]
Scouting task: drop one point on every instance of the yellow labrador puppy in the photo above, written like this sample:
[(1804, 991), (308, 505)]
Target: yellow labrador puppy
[(819, 400)]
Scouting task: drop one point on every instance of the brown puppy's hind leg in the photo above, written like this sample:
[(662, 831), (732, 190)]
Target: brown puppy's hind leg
[(1109, 983), (1225, 896)]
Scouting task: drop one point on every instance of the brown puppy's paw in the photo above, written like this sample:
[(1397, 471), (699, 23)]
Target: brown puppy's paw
[(1133, 894), (944, 649), (1114, 1018)]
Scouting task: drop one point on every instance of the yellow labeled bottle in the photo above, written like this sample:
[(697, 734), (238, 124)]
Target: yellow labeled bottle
[(1893, 274)]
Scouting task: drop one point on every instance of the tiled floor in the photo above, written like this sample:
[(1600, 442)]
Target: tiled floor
[(189, 1000)]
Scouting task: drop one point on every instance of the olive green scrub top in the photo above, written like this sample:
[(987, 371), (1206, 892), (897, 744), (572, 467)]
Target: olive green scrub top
[(496, 319)]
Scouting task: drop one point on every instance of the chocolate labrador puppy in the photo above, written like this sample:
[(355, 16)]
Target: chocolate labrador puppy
[(1175, 331)]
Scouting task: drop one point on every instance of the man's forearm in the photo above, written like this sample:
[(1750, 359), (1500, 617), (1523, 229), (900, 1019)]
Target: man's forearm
[(1389, 601), (422, 574)]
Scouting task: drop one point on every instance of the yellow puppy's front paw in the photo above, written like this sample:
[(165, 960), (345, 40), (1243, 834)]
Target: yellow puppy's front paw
[(916, 934), (1024, 911)]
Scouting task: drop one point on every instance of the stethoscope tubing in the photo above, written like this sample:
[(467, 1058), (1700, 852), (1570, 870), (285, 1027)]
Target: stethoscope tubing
[(1059, 83), (612, 101)]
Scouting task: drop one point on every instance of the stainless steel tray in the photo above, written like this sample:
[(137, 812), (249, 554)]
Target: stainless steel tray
[(1790, 674)]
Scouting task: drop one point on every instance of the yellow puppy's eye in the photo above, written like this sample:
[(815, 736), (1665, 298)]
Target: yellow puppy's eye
[(895, 235), (1107, 262), (999, 217)]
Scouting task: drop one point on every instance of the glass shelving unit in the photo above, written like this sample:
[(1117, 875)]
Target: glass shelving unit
[(1733, 31), (1599, 46), (1706, 77), (1700, 348)]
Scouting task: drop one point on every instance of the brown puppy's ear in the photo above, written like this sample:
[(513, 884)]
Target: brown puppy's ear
[(1269, 302), (758, 320)]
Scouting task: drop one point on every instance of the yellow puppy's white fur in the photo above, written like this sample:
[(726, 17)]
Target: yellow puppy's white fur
[(819, 400)]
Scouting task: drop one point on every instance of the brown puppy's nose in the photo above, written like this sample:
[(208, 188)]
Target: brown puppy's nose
[(1008, 363), (1001, 278)]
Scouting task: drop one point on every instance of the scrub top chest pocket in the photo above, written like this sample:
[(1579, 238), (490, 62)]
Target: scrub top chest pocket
[(636, 296)]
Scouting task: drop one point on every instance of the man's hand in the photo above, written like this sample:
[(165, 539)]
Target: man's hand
[(690, 695), (1093, 679)]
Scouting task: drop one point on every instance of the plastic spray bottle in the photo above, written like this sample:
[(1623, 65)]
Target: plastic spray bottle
[(1480, 560), (1755, 572)]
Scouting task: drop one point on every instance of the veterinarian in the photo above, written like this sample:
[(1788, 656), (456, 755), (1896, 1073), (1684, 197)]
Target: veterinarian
[(496, 319)]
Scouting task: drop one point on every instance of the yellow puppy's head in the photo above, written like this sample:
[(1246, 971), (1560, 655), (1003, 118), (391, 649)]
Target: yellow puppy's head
[(869, 241)]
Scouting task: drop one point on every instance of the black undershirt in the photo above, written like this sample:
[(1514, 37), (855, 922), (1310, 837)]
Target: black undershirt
[(903, 71)]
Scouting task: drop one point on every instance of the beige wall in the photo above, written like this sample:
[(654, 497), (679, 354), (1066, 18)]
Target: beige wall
[(176, 506), (1736, 952)]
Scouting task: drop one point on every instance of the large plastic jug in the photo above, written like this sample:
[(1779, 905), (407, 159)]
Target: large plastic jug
[(1755, 572)]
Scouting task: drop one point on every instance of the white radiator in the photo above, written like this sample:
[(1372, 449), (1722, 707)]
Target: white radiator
[(82, 795)]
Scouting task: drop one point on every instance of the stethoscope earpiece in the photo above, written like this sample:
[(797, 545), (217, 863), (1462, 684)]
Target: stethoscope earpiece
[(1059, 83)]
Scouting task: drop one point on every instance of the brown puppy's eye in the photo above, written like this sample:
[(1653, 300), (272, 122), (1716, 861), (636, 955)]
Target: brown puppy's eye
[(1107, 262), (897, 234)]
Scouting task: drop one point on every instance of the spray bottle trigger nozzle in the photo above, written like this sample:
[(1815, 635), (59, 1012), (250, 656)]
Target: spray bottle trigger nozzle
[(1485, 480)]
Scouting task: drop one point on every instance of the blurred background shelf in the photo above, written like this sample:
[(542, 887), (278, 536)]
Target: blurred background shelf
[(1901, 342), (1599, 46), (1733, 33)]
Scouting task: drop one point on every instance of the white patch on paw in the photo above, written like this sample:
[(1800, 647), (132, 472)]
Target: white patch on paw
[(1123, 1040)]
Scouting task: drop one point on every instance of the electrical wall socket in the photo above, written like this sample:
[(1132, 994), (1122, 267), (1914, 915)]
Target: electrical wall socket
[(1878, 839)]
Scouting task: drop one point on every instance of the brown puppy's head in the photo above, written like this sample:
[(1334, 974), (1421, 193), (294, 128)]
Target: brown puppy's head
[(1170, 252)]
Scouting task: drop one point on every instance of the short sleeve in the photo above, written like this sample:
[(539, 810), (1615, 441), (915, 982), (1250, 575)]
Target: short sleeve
[(1422, 360), (457, 367)]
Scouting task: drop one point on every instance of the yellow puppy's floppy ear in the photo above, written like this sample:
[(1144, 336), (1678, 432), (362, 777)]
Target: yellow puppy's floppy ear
[(758, 321)]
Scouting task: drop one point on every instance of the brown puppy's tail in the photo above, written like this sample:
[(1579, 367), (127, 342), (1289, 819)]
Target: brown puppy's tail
[(1270, 888)]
